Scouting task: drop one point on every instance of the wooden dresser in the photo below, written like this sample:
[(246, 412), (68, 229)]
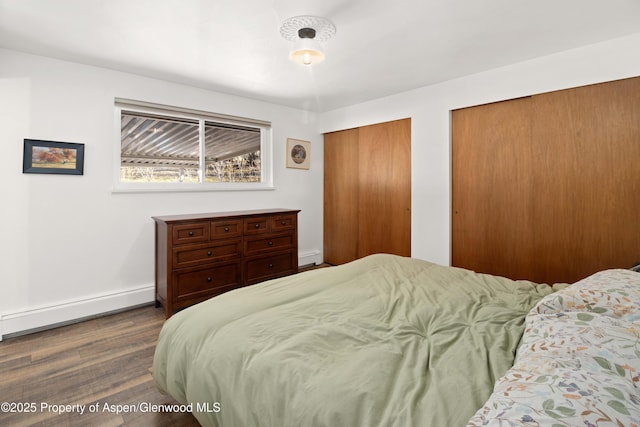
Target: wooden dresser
[(202, 255)]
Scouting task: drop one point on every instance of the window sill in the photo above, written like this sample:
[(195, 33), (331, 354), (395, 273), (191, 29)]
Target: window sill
[(189, 188)]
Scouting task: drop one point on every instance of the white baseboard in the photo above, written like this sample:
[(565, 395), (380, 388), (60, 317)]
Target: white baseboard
[(44, 317), (309, 257)]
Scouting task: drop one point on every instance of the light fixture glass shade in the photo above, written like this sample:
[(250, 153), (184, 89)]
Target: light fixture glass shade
[(306, 33), (306, 52)]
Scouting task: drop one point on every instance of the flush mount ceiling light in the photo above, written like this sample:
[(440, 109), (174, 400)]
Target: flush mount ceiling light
[(306, 33)]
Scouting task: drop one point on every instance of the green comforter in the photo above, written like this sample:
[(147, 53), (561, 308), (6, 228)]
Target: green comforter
[(382, 341)]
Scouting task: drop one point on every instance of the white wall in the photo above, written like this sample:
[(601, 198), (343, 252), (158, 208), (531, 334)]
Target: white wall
[(72, 248), (429, 109)]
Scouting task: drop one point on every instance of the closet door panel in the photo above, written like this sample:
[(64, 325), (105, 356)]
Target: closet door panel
[(547, 188), (589, 216), (492, 172), (384, 205), (341, 193)]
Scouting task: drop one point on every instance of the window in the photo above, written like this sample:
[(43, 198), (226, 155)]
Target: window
[(167, 148)]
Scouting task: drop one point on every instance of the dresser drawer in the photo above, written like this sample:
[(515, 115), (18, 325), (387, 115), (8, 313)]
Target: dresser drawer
[(194, 282), (257, 225), (189, 255), (258, 269), (193, 232), (253, 245), (226, 229), (283, 222)]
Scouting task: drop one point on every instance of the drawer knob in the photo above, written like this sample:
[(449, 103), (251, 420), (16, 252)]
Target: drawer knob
[(270, 265), (209, 279), (226, 229), (257, 225), (208, 253), (191, 233), (270, 243), (283, 222)]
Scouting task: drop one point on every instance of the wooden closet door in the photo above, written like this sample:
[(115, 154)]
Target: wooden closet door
[(367, 191), (384, 204), (492, 173), (587, 185), (341, 193), (547, 188)]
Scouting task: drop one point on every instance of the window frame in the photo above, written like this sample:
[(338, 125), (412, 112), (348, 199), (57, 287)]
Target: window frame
[(266, 149)]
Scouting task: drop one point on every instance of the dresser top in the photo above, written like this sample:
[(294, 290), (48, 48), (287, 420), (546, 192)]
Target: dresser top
[(219, 215)]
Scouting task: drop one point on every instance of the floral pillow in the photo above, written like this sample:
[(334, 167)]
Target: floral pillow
[(613, 293)]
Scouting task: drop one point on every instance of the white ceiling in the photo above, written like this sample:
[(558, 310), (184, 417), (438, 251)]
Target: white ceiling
[(381, 47)]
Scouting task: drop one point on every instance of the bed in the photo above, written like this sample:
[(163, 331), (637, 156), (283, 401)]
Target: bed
[(382, 341)]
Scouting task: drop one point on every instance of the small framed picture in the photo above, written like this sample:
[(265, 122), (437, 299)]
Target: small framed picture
[(53, 157), (298, 153)]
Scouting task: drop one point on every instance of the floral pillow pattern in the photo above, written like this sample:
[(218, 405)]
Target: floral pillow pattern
[(614, 293), (579, 360)]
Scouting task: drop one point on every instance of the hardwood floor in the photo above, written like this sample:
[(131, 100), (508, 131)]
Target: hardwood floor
[(100, 361)]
